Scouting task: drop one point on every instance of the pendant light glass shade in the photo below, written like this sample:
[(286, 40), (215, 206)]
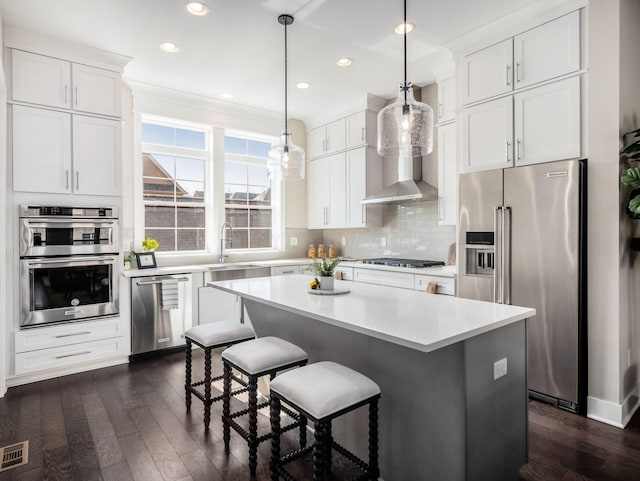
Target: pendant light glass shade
[(405, 125), (286, 160)]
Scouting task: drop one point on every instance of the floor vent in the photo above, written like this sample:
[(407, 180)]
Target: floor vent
[(14, 455)]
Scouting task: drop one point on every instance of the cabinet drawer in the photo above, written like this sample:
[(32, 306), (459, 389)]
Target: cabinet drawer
[(384, 278), (444, 285), (27, 362), (287, 270), (347, 273), (66, 334)]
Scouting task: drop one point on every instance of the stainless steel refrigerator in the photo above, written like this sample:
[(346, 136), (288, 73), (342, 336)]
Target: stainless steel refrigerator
[(522, 242)]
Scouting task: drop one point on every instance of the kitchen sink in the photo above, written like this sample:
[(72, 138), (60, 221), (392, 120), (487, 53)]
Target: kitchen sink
[(226, 272)]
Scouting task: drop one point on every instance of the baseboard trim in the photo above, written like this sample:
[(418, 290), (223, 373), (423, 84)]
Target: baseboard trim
[(615, 414), (53, 373)]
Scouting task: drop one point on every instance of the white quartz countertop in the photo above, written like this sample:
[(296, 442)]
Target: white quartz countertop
[(425, 322)]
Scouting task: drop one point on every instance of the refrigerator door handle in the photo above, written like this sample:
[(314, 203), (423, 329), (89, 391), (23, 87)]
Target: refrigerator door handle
[(506, 255), (497, 269)]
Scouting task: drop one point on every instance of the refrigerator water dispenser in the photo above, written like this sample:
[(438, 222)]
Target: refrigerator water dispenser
[(480, 254)]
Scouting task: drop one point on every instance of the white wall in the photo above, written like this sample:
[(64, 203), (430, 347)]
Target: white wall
[(4, 189)]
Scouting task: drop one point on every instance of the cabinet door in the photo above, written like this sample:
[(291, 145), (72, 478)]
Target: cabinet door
[(487, 136), (286, 270), (548, 51), (215, 305), (96, 90), (40, 80), (41, 150), (547, 123), (336, 136), (96, 156), (446, 100), (337, 187), (356, 130), (356, 187), (447, 175), (488, 72), (318, 195), (316, 141)]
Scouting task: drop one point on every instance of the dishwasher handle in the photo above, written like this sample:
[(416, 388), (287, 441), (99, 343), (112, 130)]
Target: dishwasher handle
[(150, 283)]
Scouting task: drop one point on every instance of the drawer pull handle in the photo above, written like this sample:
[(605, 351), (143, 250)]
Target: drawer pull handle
[(73, 334), (74, 354), (149, 283), (163, 339), (288, 272)]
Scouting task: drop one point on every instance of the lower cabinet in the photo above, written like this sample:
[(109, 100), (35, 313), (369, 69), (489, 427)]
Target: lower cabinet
[(288, 270), (444, 285), (384, 278)]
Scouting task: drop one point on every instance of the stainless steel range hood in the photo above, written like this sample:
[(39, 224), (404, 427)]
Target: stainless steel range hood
[(409, 186)]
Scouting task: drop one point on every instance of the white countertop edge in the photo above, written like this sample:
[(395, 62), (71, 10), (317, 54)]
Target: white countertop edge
[(433, 346)]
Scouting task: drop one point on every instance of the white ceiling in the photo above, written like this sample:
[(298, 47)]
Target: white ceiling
[(238, 47)]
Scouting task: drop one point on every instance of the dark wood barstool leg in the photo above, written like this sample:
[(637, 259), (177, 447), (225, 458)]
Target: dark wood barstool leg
[(303, 431), (253, 424), (374, 470), (226, 405), (207, 388), (318, 452), (328, 441), (187, 376), (275, 440)]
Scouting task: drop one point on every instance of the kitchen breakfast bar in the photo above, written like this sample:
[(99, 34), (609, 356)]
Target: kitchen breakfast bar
[(452, 371)]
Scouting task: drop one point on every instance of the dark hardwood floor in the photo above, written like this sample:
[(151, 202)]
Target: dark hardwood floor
[(129, 423)]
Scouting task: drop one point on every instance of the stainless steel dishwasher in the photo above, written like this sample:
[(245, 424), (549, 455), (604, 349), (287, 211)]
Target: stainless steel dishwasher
[(153, 328)]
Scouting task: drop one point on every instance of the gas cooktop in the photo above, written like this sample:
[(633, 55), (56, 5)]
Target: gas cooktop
[(396, 262)]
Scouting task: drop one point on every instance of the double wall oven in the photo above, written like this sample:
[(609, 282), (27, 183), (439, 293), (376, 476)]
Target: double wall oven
[(68, 264)]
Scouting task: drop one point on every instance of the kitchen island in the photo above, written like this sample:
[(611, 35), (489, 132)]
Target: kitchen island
[(443, 416)]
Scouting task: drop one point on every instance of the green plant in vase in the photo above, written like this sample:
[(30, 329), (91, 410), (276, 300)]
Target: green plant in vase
[(324, 268), (630, 155)]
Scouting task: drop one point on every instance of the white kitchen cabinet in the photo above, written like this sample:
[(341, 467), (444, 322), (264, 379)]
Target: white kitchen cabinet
[(446, 100), (287, 270), (347, 272), (444, 285), (336, 183), (318, 195), (215, 305), (384, 278), (547, 123), (40, 80), (356, 187), (487, 135), (357, 130), (327, 139), (447, 175), (41, 144), (316, 142), (548, 51), (96, 155), (488, 72), (96, 90)]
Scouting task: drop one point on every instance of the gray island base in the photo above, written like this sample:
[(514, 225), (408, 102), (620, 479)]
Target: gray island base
[(442, 415)]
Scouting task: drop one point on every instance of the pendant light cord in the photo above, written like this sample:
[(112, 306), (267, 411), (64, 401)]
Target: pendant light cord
[(405, 52), (286, 117)]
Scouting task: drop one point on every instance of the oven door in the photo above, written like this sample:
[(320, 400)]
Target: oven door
[(59, 237), (67, 289)]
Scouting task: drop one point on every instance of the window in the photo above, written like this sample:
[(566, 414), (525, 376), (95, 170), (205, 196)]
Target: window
[(174, 166), (249, 195)]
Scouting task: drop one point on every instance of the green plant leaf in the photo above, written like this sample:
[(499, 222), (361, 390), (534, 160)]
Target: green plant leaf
[(631, 148), (324, 267), (631, 177), (634, 205)]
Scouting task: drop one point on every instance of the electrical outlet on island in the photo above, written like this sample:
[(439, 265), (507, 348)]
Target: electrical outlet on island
[(499, 369)]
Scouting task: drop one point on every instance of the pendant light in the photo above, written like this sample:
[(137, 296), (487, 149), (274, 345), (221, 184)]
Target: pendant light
[(406, 125), (286, 160)]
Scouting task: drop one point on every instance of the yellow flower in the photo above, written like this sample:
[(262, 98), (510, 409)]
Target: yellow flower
[(150, 244)]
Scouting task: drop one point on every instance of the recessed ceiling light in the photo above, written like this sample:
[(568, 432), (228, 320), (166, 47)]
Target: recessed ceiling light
[(344, 62), (400, 28), (227, 95), (197, 8), (169, 47), (302, 85)]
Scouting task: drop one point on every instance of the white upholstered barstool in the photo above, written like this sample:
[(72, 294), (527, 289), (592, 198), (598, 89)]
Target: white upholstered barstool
[(259, 357), (321, 392), (211, 336)]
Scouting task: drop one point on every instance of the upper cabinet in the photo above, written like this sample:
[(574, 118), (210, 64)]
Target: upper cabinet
[(41, 80), (327, 139), (446, 100), (543, 53)]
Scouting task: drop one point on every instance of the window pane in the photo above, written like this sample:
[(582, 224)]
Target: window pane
[(155, 165), (159, 216), (260, 218), (190, 139), (240, 239), (260, 238), (190, 217), (158, 134), (235, 173), (237, 218), (191, 240), (158, 189), (235, 194), (259, 149), (234, 145), (259, 175), (259, 195), (189, 191), (165, 237), (190, 169)]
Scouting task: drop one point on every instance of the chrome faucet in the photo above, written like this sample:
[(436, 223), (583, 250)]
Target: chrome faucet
[(224, 240)]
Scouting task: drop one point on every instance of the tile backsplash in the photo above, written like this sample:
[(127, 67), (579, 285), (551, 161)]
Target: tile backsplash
[(409, 230)]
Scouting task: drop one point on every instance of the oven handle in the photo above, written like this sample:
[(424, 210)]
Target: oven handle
[(70, 261), (149, 283)]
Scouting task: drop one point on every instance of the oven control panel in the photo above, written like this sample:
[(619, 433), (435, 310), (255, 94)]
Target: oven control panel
[(61, 211)]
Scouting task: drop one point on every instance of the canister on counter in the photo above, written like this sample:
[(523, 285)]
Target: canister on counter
[(333, 252), (311, 251), (321, 251)]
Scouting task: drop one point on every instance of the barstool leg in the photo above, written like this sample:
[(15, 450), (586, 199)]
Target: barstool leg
[(303, 431), (328, 441), (187, 376), (275, 439), (207, 388), (253, 424), (374, 470), (226, 405), (318, 452)]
